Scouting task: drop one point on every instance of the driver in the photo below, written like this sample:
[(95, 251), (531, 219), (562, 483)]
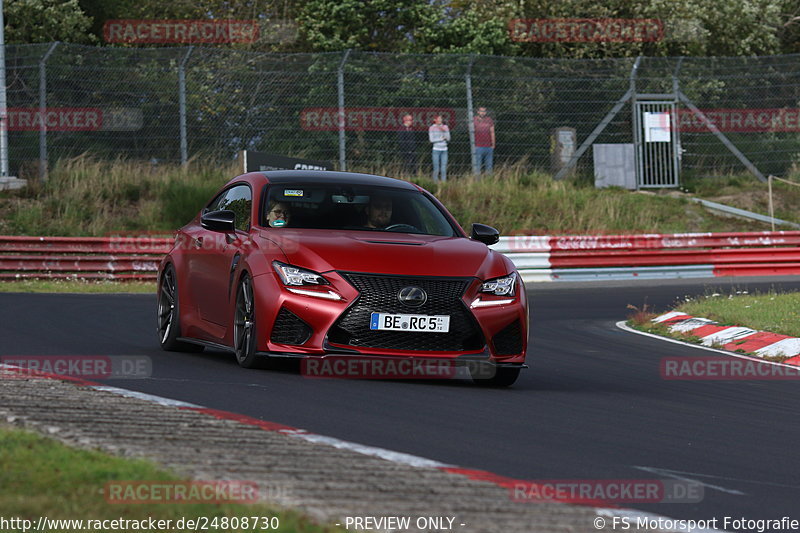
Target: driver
[(379, 212), (279, 214)]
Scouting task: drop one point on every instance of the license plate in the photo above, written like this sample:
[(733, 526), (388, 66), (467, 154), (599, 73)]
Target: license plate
[(417, 323)]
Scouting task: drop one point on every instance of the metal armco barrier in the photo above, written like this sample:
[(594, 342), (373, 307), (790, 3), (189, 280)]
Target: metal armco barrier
[(538, 258), (100, 258), (653, 256)]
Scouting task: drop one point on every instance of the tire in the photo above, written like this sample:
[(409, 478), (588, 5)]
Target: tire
[(169, 326), (503, 376), (244, 325)]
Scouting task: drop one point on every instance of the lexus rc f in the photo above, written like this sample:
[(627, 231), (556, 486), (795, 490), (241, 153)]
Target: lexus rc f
[(317, 264)]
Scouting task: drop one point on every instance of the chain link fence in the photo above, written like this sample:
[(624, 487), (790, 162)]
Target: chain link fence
[(174, 104)]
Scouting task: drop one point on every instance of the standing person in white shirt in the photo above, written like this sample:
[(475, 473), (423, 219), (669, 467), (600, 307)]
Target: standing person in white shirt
[(439, 135)]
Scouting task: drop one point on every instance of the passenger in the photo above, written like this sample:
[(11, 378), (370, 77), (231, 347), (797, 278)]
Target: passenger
[(279, 214), (379, 212)]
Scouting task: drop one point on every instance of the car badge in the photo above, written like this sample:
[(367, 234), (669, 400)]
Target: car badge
[(412, 296)]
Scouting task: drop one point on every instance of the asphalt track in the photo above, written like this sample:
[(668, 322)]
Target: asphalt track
[(592, 406)]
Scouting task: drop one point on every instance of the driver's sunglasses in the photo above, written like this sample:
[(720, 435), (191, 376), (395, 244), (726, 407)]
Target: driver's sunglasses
[(280, 212)]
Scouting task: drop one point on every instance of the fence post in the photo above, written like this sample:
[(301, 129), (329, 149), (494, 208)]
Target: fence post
[(182, 105), (3, 103), (771, 208), (340, 89), (675, 73), (677, 151), (637, 128), (43, 163), (470, 116)]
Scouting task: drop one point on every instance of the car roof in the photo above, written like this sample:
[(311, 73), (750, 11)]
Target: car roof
[(333, 177)]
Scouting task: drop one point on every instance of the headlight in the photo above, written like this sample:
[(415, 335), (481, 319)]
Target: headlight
[(504, 286), (292, 275)]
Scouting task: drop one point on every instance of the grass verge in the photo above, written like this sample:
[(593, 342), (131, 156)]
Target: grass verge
[(642, 320), (40, 477), (89, 197), (745, 192), (770, 311), (79, 286)]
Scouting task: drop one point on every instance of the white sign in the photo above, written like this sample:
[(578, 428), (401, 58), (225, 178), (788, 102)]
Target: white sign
[(657, 127)]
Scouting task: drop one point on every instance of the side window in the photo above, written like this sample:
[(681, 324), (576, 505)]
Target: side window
[(213, 206), (239, 200)]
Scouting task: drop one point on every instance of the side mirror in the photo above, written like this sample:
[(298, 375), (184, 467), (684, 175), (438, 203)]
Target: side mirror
[(222, 221), (485, 234)]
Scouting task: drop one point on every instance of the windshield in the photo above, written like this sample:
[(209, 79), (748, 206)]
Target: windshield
[(346, 207)]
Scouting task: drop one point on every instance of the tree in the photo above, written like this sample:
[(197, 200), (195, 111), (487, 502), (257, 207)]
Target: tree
[(377, 25), (42, 21), (691, 27), (466, 30), (419, 26), (790, 32), (276, 17)]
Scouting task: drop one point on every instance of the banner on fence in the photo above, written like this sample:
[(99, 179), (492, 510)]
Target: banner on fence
[(261, 161)]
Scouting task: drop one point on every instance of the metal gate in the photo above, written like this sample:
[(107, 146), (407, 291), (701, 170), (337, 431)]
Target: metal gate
[(656, 139)]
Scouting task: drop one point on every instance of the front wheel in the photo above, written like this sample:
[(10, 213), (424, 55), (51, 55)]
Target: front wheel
[(244, 325), (169, 325)]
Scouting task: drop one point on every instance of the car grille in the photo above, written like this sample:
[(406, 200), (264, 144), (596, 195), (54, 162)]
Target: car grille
[(378, 294), (508, 340), (289, 329)]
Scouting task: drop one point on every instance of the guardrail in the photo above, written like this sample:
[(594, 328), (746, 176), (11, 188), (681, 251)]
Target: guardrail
[(538, 258), (98, 258), (653, 256)]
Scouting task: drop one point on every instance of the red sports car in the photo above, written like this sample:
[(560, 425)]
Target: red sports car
[(315, 264)]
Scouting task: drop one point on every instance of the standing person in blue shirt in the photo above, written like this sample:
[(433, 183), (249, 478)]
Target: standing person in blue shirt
[(439, 135)]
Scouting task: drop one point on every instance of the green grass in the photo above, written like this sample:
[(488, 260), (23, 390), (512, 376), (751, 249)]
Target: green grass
[(89, 197), (535, 204), (79, 286), (770, 311), (42, 477), (746, 192)]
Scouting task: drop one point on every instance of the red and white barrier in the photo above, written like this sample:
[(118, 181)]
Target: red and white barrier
[(586, 257), (113, 258), (734, 338), (538, 257)]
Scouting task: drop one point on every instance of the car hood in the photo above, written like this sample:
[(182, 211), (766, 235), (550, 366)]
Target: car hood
[(387, 253)]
